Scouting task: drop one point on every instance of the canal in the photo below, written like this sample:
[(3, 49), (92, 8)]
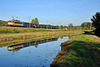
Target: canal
[(32, 54)]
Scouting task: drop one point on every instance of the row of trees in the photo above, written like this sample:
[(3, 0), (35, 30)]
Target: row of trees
[(87, 24), (95, 25), (83, 26), (35, 21)]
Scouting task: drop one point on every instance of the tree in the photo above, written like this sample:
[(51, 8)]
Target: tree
[(33, 21), (70, 25), (1, 23), (58, 26), (90, 25), (96, 20), (96, 23), (36, 21), (87, 24), (62, 27)]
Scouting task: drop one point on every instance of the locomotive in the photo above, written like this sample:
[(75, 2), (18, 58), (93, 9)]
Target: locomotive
[(18, 23)]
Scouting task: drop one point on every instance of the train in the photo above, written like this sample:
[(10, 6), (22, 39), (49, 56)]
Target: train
[(18, 23)]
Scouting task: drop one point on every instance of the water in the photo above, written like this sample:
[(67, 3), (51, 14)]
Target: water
[(31, 54)]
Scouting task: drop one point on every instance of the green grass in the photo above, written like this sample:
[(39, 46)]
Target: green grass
[(23, 30), (6, 29), (81, 51), (41, 33), (15, 38), (16, 33)]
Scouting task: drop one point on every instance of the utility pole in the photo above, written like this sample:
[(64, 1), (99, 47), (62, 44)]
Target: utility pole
[(47, 24), (16, 18), (29, 21), (13, 18)]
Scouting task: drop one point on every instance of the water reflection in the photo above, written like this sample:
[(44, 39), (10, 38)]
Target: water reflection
[(32, 54), (34, 43), (69, 37)]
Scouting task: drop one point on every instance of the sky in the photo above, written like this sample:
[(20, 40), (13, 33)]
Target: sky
[(54, 12)]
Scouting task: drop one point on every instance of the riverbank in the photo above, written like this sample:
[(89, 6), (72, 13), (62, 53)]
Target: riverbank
[(17, 36), (29, 39), (31, 34), (81, 51)]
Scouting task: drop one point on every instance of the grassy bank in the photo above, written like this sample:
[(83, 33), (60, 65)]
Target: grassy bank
[(24, 30), (6, 29), (16, 33), (31, 34), (15, 36), (81, 51), (14, 42)]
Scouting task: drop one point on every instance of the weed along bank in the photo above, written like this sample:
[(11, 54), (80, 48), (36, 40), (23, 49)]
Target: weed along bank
[(81, 51)]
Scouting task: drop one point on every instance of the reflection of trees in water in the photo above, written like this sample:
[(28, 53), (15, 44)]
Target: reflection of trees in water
[(69, 37)]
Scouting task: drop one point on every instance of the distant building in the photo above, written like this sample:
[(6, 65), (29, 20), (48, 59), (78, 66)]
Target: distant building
[(65, 29)]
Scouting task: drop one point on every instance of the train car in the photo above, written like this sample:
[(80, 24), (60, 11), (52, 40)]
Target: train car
[(15, 23), (41, 26), (44, 26), (18, 23), (53, 27), (31, 25)]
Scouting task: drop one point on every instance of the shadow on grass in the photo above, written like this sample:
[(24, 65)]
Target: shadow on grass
[(81, 54), (89, 32)]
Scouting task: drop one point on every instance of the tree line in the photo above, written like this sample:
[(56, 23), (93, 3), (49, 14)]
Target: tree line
[(95, 25), (83, 26)]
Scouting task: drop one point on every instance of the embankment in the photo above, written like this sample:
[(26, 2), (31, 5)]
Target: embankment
[(81, 51)]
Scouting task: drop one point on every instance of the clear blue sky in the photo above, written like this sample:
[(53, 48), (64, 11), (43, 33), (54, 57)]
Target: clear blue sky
[(56, 12)]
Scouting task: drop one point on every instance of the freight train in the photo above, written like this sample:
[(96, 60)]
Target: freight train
[(18, 23)]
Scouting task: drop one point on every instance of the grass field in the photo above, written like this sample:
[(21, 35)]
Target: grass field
[(31, 33), (81, 51), (23, 30)]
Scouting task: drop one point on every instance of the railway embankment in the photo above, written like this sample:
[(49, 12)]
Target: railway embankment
[(81, 51)]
